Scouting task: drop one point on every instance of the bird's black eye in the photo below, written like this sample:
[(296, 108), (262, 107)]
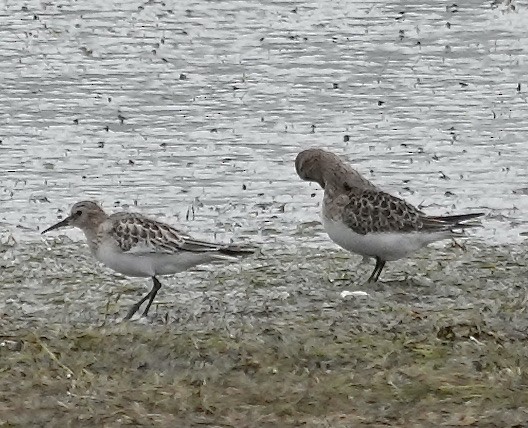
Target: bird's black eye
[(78, 213)]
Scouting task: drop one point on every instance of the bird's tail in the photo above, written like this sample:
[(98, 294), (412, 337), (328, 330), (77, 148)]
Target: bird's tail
[(236, 250), (458, 221), (458, 218)]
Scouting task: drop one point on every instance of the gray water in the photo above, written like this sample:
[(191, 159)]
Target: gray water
[(218, 97)]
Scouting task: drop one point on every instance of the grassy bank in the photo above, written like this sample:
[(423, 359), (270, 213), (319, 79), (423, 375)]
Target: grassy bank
[(272, 343)]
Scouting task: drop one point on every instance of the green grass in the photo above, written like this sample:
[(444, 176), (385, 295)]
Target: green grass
[(225, 350), (147, 375)]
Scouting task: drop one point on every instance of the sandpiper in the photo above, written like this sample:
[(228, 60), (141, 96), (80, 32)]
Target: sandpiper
[(135, 245), (363, 219)]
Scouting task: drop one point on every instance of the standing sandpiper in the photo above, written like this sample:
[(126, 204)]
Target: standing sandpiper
[(134, 245), (367, 221)]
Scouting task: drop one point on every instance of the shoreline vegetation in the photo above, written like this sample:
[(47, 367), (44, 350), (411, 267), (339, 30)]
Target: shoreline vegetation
[(440, 342)]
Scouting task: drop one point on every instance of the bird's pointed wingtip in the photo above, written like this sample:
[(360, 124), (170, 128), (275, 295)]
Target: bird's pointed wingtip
[(238, 250)]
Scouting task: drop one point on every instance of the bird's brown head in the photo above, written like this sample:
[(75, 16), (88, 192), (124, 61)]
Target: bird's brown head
[(85, 215), (309, 165), (318, 165), (329, 170)]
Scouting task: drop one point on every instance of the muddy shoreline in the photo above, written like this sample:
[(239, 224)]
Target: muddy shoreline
[(441, 341)]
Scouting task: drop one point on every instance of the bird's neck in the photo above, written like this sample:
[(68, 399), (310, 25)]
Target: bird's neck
[(93, 233), (91, 239)]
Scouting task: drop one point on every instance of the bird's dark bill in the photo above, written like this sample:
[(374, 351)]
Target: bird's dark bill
[(63, 223)]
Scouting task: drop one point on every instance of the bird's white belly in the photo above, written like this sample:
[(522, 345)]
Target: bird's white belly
[(151, 264), (386, 245)]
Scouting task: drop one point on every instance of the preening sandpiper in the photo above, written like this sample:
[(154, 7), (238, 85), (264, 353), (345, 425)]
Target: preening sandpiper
[(363, 219), (135, 245)]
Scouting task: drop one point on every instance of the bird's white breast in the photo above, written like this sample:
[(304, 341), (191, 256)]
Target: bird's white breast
[(147, 264), (386, 245)]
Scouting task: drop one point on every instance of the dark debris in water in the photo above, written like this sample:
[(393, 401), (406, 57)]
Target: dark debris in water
[(270, 342)]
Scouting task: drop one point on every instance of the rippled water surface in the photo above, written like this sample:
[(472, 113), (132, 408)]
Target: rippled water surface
[(195, 110)]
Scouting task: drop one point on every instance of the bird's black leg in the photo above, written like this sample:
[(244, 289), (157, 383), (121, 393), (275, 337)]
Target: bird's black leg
[(150, 297), (155, 288), (380, 268), (377, 270), (373, 274)]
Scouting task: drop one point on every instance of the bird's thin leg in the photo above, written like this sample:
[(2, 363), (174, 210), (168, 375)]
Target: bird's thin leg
[(377, 270), (136, 306), (373, 274), (153, 292), (380, 268)]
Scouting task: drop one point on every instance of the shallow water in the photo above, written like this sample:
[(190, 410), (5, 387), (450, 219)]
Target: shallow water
[(217, 95), (194, 112)]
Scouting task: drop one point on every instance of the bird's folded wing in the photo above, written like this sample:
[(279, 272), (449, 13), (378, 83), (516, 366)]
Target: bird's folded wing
[(197, 246), (141, 235), (161, 246), (145, 248), (373, 211)]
